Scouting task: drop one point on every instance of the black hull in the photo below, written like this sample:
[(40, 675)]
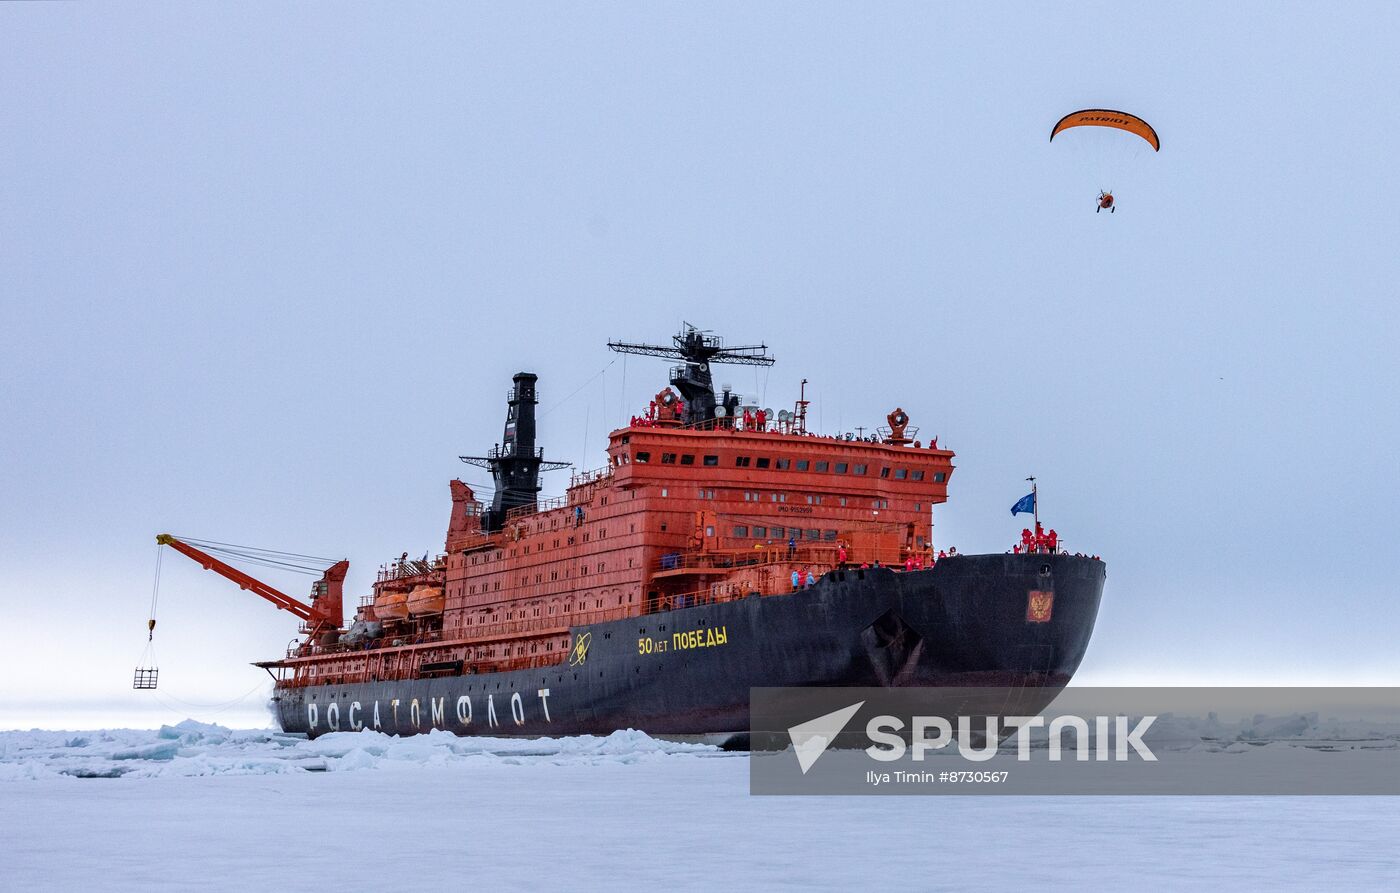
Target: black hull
[(967, 622)]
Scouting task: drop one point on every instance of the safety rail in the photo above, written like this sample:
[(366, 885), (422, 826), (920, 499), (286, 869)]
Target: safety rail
[(300, 676), (404, 569), (590, 476), (541, 505), (771, 425), (823, 556)]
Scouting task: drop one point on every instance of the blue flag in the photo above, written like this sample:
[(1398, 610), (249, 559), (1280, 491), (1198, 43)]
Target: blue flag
[(1027, 505)]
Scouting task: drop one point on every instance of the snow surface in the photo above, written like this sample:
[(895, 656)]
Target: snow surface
[(200, 806)]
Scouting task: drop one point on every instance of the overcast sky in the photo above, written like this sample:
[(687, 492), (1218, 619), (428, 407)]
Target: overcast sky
[(266, 271)]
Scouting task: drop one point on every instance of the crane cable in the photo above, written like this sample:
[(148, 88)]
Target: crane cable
[(295, 562), (155, 597), (146, 666)]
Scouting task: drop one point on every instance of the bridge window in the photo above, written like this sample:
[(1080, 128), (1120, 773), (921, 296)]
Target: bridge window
[(644, 457), (668, 458), (784, 464), (803, 465), (917, 474), (829, 536), (885, 472), (814, 534), (712, 460), (901, 473), (687, 459), (763, 461), (742, 461), (823, 466), (841, 467), (859, 469), (939, 477), (760, 531), (741, 531)]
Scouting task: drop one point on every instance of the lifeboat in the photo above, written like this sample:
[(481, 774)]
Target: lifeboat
[(425, 600), (391, 606)]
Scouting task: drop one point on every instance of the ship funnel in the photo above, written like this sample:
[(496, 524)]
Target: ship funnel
[(516, 464)]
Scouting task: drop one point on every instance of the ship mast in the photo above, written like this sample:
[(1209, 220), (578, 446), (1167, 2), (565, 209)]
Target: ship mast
[(1035, 503), (697, 350)]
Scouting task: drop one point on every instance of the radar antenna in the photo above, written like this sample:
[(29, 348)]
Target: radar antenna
[(696, 350)]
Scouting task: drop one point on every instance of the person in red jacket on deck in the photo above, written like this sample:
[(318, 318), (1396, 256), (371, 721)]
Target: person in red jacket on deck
[(1026, 540), (1052, 539)]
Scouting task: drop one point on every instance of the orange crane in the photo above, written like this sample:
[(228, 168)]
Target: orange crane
[(323, 615)]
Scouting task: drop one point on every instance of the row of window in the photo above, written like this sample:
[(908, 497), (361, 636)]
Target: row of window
[(812, 498), (820, 465), (485, 615), (793, 533), (539, 578), (540, 547)]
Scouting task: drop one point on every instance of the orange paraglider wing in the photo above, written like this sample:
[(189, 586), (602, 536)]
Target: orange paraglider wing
[(1109, 118)]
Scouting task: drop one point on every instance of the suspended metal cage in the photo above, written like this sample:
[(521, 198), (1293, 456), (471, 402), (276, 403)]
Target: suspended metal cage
[(145, 678)]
